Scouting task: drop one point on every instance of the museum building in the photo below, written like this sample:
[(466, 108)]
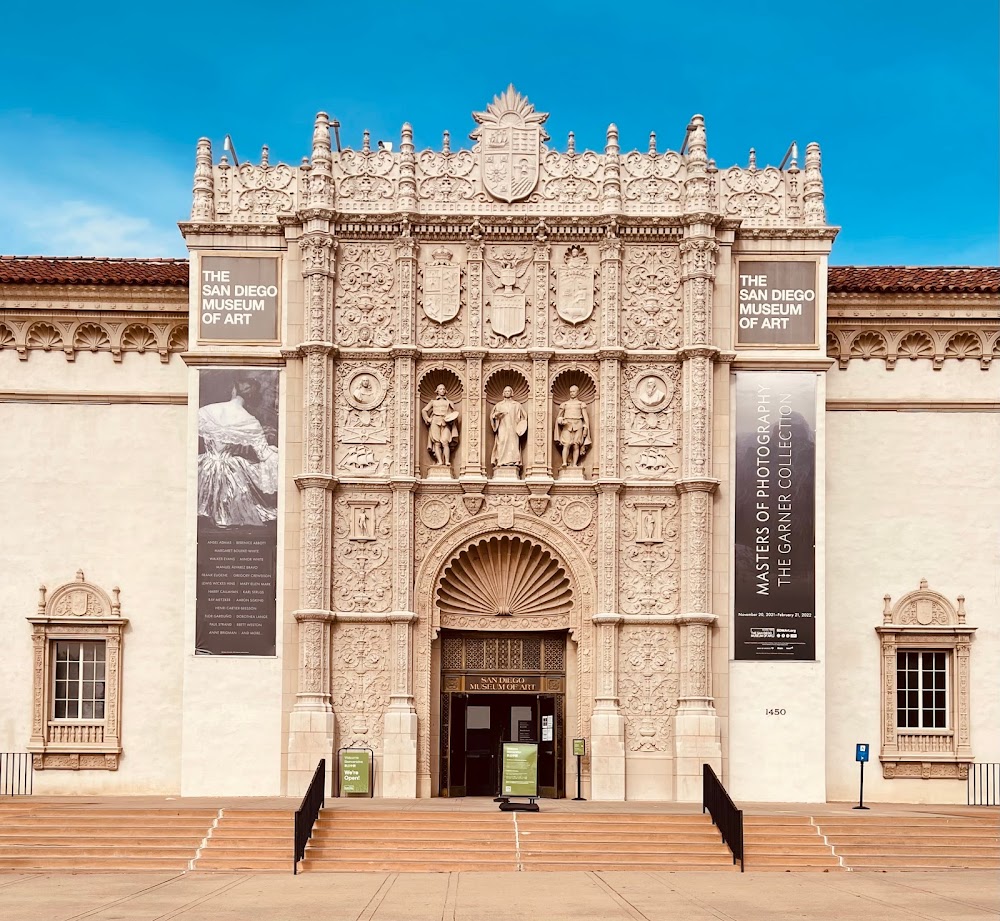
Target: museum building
[(426, 450)]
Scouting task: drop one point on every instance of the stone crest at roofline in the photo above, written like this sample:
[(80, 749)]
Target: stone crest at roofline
[(509, 172)]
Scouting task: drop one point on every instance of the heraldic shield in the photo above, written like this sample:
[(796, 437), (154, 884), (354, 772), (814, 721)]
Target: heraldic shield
[(510, 138), (442, 288)]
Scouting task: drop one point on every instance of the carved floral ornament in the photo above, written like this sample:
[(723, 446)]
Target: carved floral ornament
[(893, 345), (924, 621)]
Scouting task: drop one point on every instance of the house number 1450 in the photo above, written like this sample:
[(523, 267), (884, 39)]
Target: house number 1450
[(775, 712)]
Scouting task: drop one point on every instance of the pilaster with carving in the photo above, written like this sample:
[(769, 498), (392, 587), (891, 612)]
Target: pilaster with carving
[(541, 297), (473, 466), (475, 292), (698, 261), (610, 381), (538, 464), (611, 289), (406, 287)]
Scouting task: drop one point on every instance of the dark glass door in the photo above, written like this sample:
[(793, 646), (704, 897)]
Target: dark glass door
[(549, 746)]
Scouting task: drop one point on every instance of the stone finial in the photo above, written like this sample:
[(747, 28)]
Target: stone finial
[(752, 160), (203, 193), (652, 142), (265, 153), (366, 141), (611, 190), (321, 137), (79, 576), (698, 196), (446, 142), (886, 609), (116, 602), (406, 138), (319, 176), (812, 188), (961, 609), (611, 144), (697, 148), (571, 144), (41, 599)]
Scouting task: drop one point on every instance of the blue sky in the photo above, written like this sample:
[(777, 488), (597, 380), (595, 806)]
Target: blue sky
[(102, 103)]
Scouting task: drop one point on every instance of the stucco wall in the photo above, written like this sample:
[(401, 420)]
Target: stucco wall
[(98, 487)]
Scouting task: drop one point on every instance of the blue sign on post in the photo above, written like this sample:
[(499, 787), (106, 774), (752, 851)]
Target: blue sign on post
[(861, 753)]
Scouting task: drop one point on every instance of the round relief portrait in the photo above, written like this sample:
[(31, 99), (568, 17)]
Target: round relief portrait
[(365, 390), (651, 393)]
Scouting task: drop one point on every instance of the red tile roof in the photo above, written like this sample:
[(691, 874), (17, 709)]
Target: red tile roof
[(844, 279), (905, 279), (80, 270)]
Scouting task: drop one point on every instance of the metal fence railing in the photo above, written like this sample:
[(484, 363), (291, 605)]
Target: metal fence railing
[(16, 774), (983, 784), (308, 812)]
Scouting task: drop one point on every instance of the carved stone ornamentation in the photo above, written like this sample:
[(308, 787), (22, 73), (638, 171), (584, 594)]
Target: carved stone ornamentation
[(508, 283), (649, 547), (574, 324), (651, 307), (361, 683), (264, 192), (650, 413), (364, 305), (648, 686), (362, 549), (365, 419)]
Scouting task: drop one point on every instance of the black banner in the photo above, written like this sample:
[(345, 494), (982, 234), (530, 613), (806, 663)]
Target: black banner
[(775, 529), (237, 512)]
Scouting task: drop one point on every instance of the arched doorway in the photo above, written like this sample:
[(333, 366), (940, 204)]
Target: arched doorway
[(504, 628)]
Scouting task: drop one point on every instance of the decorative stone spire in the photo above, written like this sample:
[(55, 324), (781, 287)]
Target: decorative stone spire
[(320, 174), (812, 188), (696, 187), (203, 199), (611, 192), (407, 170), (652, 143)]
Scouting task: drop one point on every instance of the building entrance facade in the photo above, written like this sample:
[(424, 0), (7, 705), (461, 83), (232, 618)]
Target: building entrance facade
[(496, 688)]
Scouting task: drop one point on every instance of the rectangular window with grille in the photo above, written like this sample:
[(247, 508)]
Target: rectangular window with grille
[(78, 693), (921, 690)]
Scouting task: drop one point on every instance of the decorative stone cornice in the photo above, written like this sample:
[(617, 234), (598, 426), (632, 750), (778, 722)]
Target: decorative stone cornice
[(313, 615), (692, 484), (317, 480), (315, 347)]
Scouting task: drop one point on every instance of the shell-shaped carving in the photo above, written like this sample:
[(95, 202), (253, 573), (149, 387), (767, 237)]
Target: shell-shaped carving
[(832, 345), (178, 341), (964, 345), (916, 345), (869, 345), (573, 377), (91, 337), (138, 338), (505, 576), (44, 336), (506, 377), (431, 378), (6, 337)]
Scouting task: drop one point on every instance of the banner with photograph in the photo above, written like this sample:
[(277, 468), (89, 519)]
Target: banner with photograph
[(775, 527), (237, 512)]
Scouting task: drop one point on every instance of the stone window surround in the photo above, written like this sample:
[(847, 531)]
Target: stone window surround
[(925, 620), (76, 611)]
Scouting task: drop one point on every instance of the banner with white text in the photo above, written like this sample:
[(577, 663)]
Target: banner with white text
[(775, 527), (238, 298)]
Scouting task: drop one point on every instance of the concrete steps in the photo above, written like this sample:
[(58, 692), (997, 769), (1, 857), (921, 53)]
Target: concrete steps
[(68, 838), (785, 843), (915, 842), (249, 840)]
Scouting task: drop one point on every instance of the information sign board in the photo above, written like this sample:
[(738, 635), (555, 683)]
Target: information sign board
[(861, 752), (355, 771), (520, 769), (580, 748)]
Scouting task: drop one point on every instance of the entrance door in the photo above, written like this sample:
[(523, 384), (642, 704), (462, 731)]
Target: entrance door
[(549, 745)]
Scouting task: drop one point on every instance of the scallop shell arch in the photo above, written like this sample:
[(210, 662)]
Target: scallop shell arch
[(568, 377), (504, 576), (498, 378)]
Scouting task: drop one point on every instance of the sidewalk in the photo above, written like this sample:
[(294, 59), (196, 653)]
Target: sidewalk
[(957, 895)]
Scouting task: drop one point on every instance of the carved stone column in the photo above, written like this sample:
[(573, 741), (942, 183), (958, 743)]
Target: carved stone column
[(541, 292), (607, 725), (474, 282), (406, 287), (537, 449), (611, 285), (473, 468)]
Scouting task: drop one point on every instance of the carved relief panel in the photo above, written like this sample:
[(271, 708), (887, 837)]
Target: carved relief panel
[(361, 683), (362, 544), (365, 304), (648, 686), (575, 318), (649, 570), (651, 417), (439, 295), (509, 278), (365, 419), (652, 298)]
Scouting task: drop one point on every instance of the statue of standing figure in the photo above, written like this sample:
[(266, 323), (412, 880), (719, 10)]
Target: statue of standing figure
[(572, 429), (441, 418), (510, 423)]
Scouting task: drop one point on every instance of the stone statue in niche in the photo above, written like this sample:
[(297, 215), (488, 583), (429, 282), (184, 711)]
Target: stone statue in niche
[(441, 417), (572, 429), (510, 423)]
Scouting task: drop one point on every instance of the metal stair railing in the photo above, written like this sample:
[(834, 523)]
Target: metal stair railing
[(725, 816)]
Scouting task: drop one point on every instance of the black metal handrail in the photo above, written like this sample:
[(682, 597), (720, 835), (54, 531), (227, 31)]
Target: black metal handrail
[(982, 786), (16, 773), (308, 812), (725, 816)]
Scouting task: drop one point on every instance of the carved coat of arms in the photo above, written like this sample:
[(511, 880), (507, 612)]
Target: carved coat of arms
[(508, 300), (575, 296), (442, 288), (510, 136)]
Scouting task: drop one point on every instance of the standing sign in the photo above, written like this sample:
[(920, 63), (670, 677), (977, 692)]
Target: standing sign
[(238, 298), (776, 303), (580, 747), (775, 527), (861, 751), (355, 771), (520, 769), (236, 579)]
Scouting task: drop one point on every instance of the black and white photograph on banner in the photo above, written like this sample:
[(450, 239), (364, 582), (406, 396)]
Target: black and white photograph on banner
[(237, 511), (775, 528)]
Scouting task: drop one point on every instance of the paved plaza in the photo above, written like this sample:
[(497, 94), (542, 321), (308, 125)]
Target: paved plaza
[(963, 895)]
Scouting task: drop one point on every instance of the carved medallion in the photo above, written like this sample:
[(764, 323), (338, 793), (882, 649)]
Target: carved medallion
[(434, 514), (505, 517), (651, 393), (442, 288), (365, 390), (575, 297), (510, 136), (577, 515)]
